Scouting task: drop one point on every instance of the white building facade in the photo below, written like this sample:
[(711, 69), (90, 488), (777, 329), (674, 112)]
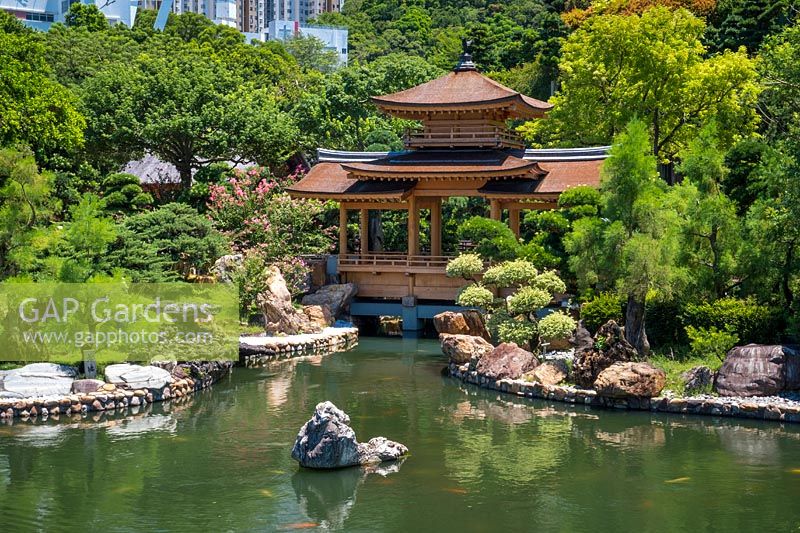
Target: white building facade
[(40, 14)]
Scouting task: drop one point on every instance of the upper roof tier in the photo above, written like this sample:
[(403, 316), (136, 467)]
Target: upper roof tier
[(463, 90)]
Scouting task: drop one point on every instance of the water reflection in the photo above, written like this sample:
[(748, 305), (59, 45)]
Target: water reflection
[(328, 496)]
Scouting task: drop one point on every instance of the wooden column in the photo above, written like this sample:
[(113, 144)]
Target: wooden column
[(494, 209), (513, 221), (364, 231), (342, 229), (436, 227), (413, 226)]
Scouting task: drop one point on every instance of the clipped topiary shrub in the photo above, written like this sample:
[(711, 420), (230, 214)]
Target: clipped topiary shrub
[(528, 300), (492, 238), (475, 296), (511, 274), (557, 326), (465, 266), (550, 282), (518, 330), (604, 307)]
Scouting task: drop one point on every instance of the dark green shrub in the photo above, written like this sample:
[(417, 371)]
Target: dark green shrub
[(664, 324), (751, 321), (604, 307), (492, 238)]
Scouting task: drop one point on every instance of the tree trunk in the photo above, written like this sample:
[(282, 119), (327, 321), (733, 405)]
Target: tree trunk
[(634, 326), (375, 231), (185, 172), (786, 276)]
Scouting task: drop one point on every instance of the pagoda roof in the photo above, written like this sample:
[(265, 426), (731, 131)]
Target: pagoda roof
[(433, 164), (553, 172), (462, 90)]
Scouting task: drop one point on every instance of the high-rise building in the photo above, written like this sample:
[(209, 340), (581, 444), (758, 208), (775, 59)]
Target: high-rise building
[(40, 14)]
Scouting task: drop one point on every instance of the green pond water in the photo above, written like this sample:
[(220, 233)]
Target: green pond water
[(479, 461)]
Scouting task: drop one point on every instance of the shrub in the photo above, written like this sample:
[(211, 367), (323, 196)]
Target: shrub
[(511, 274), (518, 330), (492, 238), (475, 296), (664, 325), (465, 266), (528, 300), (711, 341), (557, 326), (550, 282), (581, 195), (604, 307), (751, 321)]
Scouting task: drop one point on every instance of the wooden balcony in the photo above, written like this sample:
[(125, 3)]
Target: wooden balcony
[(393, 262), (396, 275), (482, 136)]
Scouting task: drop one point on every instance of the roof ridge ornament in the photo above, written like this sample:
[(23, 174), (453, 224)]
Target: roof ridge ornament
[(465, 61)]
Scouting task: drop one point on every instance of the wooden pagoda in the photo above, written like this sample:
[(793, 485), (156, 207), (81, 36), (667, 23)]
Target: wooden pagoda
[(463, 148)]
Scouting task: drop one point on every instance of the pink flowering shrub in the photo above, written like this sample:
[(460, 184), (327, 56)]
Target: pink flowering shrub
[(253, 210)]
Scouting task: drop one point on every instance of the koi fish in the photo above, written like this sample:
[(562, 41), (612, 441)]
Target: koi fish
[(678, 480), (456, 490), (300, 525)]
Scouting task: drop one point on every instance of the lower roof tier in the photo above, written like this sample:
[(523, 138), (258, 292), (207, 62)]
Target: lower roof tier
[(381, 176)]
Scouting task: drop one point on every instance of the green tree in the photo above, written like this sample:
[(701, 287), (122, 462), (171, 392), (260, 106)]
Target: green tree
[(26, 206), (86, 239), (711, 230), (736, 23), (633, 247), (122, 193), (34, 110), (85, 16), (311, 53), (652, 66), (187, 110)]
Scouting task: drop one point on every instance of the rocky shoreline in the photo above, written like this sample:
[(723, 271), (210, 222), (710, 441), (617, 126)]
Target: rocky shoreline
[(775, 408), (257, 350), (182, 379)]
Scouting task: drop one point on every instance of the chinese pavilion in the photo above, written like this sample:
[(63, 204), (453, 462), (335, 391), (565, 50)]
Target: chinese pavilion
[(464, 148)]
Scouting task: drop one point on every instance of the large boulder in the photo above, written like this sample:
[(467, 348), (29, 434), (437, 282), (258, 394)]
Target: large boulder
[(697, 379), (759, 370), (85, 386), (507, 361), (631, 379), (468, 322), (337, 297), (549, 372), (461, 348), (130, 376), (608, 347), (225, 266), (327, 441), (280, 316), (318, 315), (37, 379)]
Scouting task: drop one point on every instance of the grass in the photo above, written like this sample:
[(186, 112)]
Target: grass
[(674, 366)]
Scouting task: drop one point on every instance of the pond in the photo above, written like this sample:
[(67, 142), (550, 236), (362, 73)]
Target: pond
[(479, 461)]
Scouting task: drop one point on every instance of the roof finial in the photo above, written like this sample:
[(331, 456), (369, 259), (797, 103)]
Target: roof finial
[(465, 61)]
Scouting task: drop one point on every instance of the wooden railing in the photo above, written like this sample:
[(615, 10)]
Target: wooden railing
[(393, 262), (478, 137)]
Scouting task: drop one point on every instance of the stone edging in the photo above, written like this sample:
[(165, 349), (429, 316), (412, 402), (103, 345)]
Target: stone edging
[(700, 406), (254, 351), (110, 397)]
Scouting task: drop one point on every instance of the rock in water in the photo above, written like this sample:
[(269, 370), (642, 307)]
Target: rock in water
[(759, 370), (625, 380), (507, 361), (327, 441), (461, 348), (461, 323)]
